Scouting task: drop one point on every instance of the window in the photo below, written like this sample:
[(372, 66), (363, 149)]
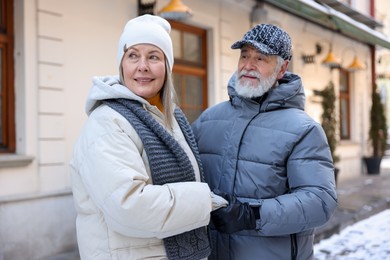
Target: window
[(7, 126), (190, 69), (344, 105)]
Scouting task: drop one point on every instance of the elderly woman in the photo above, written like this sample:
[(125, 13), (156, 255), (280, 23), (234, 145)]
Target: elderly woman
[(136, 174)]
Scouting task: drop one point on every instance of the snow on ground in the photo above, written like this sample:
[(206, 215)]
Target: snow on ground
[(367, 239), (385, 163)]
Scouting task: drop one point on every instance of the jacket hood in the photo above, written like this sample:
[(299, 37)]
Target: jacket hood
[(288, 94), (108, 87)]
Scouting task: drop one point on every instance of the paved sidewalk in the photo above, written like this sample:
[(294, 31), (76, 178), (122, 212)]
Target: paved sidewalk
[(358, 199), (66, 256)]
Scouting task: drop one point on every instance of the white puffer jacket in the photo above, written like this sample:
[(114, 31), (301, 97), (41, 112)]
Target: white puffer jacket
[(121, 214)]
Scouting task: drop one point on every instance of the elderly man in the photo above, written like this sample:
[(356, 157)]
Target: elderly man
[(266, 156)]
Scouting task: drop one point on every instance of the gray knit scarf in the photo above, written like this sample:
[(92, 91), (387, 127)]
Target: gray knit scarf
[(168, 163)]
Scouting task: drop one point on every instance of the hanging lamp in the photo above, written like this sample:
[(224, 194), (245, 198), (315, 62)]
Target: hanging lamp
[(356, 65), (175, 10), (331, 60)]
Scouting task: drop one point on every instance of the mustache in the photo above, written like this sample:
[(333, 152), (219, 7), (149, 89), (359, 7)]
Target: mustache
[(249, 74)]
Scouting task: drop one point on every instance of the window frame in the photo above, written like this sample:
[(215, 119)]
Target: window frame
[(182, 67), (345, 95), (7, 97)]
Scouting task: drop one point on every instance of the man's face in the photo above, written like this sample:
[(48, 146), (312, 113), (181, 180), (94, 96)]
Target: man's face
[(257, 72)]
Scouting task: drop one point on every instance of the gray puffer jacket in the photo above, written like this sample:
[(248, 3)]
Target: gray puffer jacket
[(273, 155)]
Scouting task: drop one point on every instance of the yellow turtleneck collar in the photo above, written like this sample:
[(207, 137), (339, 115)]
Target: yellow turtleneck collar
[(156, 101)]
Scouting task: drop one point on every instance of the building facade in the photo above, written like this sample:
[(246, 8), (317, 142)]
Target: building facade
[(58, 46)]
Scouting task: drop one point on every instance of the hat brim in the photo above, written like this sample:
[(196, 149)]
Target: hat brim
[(258, 46)]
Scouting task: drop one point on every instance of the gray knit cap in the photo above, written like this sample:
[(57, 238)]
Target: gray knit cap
[(267, 39)]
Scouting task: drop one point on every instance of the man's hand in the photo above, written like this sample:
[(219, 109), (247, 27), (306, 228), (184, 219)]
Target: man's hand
[(235, 217)]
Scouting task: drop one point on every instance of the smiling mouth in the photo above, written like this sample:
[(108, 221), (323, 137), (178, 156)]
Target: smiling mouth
[(143, 80), (249, 77)]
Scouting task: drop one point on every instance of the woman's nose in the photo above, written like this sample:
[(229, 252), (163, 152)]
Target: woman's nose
[(143, 64)]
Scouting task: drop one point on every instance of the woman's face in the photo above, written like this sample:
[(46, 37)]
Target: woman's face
[(143, 67)]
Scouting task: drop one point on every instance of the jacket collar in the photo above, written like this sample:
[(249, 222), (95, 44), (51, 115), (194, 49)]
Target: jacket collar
[(289, 93)]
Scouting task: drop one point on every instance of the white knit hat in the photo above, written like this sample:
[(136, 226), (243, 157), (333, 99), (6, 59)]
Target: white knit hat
[(147, 29)]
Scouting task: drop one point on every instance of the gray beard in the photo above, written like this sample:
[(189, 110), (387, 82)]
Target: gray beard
[(246, 89)]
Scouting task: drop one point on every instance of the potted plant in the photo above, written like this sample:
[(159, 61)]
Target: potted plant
[(329, 120), (377, 134)]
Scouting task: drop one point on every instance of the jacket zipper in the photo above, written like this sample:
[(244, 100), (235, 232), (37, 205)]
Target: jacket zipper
[(294, 248)]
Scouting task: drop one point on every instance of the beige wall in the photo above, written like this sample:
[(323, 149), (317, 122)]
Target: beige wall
[(61, 45)]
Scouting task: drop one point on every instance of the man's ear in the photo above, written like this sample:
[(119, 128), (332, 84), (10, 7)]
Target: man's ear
[(283, 69)]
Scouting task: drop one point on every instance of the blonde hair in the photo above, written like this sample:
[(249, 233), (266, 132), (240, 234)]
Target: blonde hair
[(168, 96), (167, 93)]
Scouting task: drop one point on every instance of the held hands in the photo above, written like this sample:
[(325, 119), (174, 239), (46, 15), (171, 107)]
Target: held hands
[(235, 217), (217, 201)]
